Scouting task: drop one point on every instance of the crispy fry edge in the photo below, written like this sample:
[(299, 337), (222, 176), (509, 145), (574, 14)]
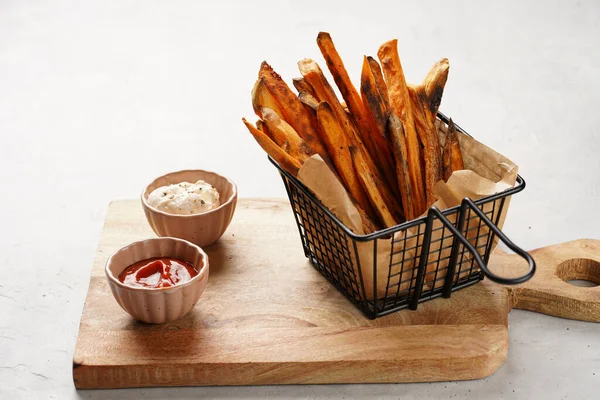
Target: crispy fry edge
[(380, 82), (371, 185), (452, 159), (338, 146), (429, 139), (335, 64), (302, 86), (292, 109), (282, 133), (398, 140), (287, 162), (313, 74), (376, 115), (434, 84), (401, 106)]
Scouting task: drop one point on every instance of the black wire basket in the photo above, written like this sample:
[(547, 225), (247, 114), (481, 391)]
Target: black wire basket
[(428, 257)]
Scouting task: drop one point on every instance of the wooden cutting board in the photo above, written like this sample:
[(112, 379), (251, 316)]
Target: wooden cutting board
[(268, 317)]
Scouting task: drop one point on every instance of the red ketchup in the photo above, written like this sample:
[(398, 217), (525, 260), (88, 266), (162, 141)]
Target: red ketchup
[(157, 273)]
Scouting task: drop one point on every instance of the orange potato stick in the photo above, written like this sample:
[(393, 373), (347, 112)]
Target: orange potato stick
[(287, 162), (338, 145), (260, 125), (431, 120), (434, 84), (429, 139), (380, 82), (400, 105), (261, 97), (292, 109), (373, 99), (309, 100), (343, 82), (302, 86), (312, 74), (311, 104), (453, 160), (377, 116), (398, 139), (285, 136), (372, 187)]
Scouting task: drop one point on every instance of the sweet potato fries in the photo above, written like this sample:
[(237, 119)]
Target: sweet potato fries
[(382, 141)]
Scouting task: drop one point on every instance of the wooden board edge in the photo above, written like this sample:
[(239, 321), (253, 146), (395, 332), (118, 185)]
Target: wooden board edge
[(451, 368), (549, 292), (267, 373), (556, 306)]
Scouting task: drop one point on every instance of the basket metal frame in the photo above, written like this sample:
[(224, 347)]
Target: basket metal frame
[(331, 247)]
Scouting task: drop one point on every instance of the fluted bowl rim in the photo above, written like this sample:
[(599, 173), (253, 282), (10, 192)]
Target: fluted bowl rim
[(115, 280), (231, 199)]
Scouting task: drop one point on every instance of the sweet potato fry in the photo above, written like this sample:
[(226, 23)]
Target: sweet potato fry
[(260, 125), (431, 119), (311, 104), (309, 100), (292, 109), (302, 86), (338, 145), (379, 81), (285, 136), (453, 160), (372, 186), (398, 140), (261, 97), (373, 99), (429, 139), (434, 84), (287, 162), (343, 82), (313, 75), (376, 116), (401, 106)]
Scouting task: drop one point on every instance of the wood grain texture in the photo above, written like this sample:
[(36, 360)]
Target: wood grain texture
[(549, 292), (268, 317)]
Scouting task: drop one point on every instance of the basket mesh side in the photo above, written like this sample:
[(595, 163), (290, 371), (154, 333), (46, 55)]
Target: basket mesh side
[(333, 253), (325, 244)]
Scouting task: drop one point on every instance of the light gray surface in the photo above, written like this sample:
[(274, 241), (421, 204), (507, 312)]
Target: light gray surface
[(93, 93)]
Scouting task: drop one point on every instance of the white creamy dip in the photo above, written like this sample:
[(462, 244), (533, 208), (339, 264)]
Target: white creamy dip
[(185, 198)]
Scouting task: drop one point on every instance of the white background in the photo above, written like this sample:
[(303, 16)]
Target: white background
[(98, 98)]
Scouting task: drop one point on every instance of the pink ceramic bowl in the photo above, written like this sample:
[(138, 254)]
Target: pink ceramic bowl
[(157, 306), (201, 229)]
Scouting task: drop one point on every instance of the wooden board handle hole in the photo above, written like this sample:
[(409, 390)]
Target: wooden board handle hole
[(582, 272)]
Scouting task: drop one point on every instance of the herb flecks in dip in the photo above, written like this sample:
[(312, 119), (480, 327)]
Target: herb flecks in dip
[(185, 198)]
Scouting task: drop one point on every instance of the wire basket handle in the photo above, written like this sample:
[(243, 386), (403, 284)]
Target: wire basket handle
[(467, 203)]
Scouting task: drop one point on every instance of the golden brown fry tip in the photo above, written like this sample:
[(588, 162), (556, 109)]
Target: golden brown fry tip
[(287, 162), (434, 84), (292, 109), (401, 106), (302, 86), (452, 157)]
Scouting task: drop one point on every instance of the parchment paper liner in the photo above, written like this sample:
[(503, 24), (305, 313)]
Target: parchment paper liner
[(486, 173)]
